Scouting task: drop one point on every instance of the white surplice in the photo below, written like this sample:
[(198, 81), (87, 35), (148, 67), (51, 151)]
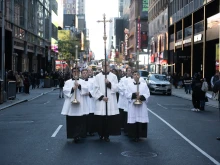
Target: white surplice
[(92, 105), (137, 113), (99, 90), (122, 85), (70, 109), (85, 98)]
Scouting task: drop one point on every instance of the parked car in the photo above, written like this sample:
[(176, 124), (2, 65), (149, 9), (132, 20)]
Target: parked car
[(158, 83), (144, 74)]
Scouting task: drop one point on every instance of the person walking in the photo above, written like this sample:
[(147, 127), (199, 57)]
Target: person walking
[(75, 117), (216, 89), (187, 83), (213, 80), (61, 85), (123, 101), (196, 88), (137, 114), (107, 112)]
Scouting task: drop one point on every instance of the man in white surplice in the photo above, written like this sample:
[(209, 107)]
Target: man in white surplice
[(107, 124), (137, 114), (122, 101), (75, 115)]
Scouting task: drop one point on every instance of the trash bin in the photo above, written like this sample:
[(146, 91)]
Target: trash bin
[(1, 91), (11, 89)]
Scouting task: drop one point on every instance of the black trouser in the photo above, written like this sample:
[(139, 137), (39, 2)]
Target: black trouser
[(195, 101)]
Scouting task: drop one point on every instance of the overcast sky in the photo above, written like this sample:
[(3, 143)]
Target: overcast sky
[(94, 11)]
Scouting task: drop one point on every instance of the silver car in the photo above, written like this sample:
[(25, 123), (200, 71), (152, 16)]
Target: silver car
[(158, 83)]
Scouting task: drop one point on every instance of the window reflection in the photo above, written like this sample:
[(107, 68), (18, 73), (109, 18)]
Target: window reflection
[(199, 27), (188, 31)]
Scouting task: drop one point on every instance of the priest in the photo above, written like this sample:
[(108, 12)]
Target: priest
[(72, 108), (137, 113), (106, 112)]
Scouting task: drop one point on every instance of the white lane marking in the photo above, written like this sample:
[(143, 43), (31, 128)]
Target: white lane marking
[(186, 139), (47, 102), (57, 130), (161, 106)]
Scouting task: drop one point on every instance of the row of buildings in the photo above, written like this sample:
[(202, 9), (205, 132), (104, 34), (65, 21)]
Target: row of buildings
[(177, 36), (29, 32)]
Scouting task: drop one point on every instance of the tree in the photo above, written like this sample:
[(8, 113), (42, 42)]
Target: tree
[(66, 45)]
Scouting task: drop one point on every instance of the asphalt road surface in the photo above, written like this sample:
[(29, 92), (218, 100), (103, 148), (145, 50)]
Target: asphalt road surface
[(34, 133)]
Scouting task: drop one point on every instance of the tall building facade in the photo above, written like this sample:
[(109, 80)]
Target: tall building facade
[(194, 36), (28, 32), (158, 36)]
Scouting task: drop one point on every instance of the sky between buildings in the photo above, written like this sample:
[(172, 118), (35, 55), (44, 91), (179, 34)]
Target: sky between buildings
[(94, 11)]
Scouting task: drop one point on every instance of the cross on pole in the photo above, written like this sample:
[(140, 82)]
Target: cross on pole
[(105, 38)]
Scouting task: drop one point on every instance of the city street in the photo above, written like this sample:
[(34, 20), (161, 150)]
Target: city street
[(34, 132)]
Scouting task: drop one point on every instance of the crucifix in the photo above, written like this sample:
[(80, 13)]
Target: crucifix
[(105, 38)]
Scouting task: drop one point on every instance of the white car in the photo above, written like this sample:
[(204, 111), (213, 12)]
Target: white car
[(158, 83)]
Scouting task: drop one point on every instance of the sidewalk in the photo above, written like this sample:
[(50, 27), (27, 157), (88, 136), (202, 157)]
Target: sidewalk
[(181, 93), (22, 97)]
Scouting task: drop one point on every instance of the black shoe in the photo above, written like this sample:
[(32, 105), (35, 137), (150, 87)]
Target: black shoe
[(218, 138), (62, 97), (107, 139), (59, 96), (101, 137)]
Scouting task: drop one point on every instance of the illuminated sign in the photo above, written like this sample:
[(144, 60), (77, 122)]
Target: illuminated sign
[(197, 37), (178, 43), (126, 31), (186, 41), (145, 6)]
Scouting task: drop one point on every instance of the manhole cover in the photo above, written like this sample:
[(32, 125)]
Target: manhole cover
[(138, 154)]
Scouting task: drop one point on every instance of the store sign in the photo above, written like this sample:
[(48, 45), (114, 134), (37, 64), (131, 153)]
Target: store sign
[(178, 43), (197, 37), (126, 31), (186, 41)]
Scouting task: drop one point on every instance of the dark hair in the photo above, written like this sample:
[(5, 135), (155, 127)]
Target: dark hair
[(75, 69), (84, 70)]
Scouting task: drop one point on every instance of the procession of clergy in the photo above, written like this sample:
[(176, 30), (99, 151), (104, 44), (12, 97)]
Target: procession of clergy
[(95, 113)]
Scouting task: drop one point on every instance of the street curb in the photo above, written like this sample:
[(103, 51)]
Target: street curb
[(21, 101), (191, 100), (18, 102)]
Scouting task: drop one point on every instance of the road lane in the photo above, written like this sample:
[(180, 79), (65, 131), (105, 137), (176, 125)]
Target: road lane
[(25, 137)]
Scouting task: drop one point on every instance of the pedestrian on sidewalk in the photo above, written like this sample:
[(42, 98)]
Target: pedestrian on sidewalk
[(216, 88), (196, 91), (188, 83), (214, 79), (61, 85), (203, 97)]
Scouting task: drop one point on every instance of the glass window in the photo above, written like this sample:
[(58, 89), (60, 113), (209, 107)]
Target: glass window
[(179, 35), (188, 31), (19, 12), (40, 20), (171, 37), (199, 27), (31, 15)]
